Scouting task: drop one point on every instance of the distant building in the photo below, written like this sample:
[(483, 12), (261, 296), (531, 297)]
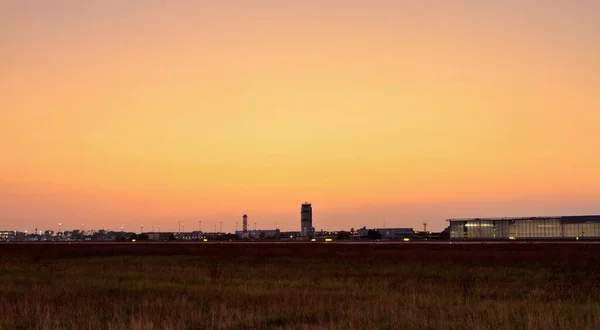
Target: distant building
[(7, 235), (187, 236), (259, 234), (287, 235), (11, 235), (388, 233), (306, 226), (566, 227), (329, 234), (111, 236), (395, 233)]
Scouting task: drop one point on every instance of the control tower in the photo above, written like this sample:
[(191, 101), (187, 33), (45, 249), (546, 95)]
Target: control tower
[(306, 227)]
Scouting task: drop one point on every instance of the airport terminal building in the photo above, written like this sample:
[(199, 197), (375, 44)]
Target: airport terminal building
[(567, 227)]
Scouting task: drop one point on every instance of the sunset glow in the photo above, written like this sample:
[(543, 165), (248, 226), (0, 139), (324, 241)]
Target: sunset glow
[(153, 112)]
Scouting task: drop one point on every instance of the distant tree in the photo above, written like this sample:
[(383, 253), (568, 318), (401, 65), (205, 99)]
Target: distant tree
[(343, 235), (352, 230), (143, 237), (171, 237), (262, 235), (133, 236), (373, 234)]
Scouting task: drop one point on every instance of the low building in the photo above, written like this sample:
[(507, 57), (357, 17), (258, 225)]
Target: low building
[(326, 234), (395, 233), (111, 236), (289, 235), (387, 233), (188, 236), (7, 235), (12, 235), (158, 236), (564, 227), (260, 233)]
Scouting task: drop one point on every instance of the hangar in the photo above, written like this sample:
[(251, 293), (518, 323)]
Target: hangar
[(565, 227)]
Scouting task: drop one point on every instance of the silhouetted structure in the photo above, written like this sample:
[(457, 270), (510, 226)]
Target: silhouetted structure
[(306, 227), (244, 226)]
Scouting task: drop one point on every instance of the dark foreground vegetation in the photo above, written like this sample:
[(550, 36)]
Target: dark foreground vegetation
[(319, 285)]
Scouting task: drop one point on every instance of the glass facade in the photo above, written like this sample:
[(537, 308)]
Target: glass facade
[(526, 228)]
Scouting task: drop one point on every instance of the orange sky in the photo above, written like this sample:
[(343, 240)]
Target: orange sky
[(148, 112)]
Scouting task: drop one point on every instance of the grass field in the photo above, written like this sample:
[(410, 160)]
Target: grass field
[(295, 286)]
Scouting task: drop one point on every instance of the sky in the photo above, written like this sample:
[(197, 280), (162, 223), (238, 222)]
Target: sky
[(379, 113)]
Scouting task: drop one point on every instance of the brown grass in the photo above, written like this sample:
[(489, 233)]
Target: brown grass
[(297, 286)]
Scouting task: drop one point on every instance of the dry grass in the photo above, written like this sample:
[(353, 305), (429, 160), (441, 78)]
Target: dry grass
[(297, 286)]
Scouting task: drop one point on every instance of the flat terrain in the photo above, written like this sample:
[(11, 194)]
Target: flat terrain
[(294, 286)]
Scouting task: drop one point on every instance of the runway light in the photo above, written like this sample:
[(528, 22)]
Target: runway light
[(313, 240), (205, 240), (328, 240), (407, 239)]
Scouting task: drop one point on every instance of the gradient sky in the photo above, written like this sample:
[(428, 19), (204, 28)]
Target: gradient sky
[(149, 112)]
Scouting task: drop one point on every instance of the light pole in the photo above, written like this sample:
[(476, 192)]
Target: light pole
[(141, 229), (81, 229), (179, 230), (215, 228), (221, 226), (236, 226), (255, 226), (152, 228), (59, 225)]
